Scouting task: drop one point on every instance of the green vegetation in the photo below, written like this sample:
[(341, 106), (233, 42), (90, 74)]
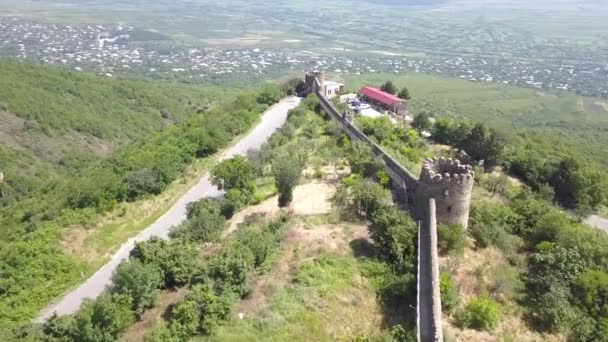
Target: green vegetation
[(286, 170), (388, 87), (452, 239), (449, 293), (404, 93), (156, 131), (480, 313), (552, 123), (405, 145)]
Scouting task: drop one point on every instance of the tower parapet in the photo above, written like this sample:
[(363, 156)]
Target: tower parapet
[(309, 80), (450, 183)]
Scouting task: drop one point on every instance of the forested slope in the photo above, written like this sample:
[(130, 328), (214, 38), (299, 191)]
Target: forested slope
[(74, 145)]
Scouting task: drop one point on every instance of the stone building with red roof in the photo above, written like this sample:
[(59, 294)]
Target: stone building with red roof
[(384, 100)]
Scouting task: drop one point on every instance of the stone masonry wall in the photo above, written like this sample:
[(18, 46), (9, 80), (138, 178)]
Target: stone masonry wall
[(451, 185)]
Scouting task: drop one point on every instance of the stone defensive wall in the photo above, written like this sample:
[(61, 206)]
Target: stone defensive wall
[(399, 174), (441, 194)]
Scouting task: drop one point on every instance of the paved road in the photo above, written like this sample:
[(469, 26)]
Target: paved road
[(272, 119), (598, 222)]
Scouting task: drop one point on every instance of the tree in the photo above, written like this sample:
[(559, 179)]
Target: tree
[(104, 319), (286, 170), (360, 158), (389, 87), (205, 221), (176, 259), (452, 238), (422, 122), (140, 281), (143, 182), (484, 144), (393, 232), (234, 173), (404, 94)]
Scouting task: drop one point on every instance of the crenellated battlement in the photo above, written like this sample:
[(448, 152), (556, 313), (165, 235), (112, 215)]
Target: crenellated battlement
[(451, 184), (446, 171)]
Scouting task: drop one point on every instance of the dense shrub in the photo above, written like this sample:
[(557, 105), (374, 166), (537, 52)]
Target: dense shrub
[(176, 259), (480, 313), (142, 282), (142, 182), (452, 239), (394, 233), (449, 293), (205, 221), (492, 225)]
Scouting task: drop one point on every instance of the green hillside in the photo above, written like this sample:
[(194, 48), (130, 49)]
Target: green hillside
[(73, 146)]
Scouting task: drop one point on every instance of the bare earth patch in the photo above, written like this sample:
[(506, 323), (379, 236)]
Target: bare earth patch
[(308, 199)]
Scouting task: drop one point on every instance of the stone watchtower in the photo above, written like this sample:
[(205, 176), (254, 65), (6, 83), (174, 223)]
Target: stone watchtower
[(310, 78), (451, 185)]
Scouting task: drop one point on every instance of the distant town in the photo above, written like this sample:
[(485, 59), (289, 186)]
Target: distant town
[(111, 51)]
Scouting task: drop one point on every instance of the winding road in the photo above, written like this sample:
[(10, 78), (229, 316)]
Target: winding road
[(271, 120)]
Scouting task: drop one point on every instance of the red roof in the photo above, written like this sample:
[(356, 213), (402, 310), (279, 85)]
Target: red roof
[(380, 96)]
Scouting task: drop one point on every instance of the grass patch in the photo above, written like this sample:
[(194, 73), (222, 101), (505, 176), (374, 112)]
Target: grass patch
[(328, 300)]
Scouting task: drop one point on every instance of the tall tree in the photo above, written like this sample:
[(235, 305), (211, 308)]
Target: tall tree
[(389, 87), (234, 173), (422, 122), (286, 170), (404, 94), (484, 143)]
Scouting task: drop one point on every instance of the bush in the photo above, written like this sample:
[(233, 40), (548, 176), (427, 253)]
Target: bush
[(480, 313), (205, 222), (176, 259), (140, 281), (452, 239), (234, 173), (449, 293), (143, 182), (394, 232), (104, 318)]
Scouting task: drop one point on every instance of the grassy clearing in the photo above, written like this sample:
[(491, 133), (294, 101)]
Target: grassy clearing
[(328, 300)]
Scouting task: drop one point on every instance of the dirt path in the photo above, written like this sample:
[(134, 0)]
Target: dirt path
[(598, 222), (271, 120)]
